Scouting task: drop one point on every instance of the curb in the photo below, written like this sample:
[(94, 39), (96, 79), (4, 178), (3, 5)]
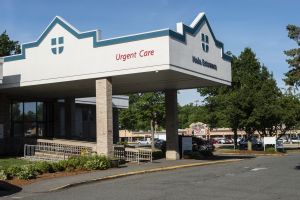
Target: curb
[(266, 154), (142, 172)]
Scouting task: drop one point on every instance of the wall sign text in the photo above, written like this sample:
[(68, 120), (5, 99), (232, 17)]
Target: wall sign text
[(204, 63), (128, 56)]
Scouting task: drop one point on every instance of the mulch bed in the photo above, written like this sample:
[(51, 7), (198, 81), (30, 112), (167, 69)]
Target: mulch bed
[(45, 176)]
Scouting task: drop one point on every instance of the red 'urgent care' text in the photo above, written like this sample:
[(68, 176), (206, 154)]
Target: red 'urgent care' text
[(128, 56)]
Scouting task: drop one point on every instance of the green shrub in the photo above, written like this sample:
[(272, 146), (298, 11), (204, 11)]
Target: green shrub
[(202, 154), (77, 162), (42, 167), (270, 150), (206, 153), (3, 175), (13, 171), (30, 171), (57, 167), (27, 172), (125, 143), (97, 162), (158, 154), (62, 165), (84, 152)]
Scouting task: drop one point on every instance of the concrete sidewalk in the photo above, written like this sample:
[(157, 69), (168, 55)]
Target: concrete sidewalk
[(129, 169)]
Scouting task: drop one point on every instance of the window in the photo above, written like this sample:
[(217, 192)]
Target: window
[(31, 119), (17, 129), (40, 111), (41, 130), (57, 45), (29, 111), (30, 129), (205, 42), (17, 111)]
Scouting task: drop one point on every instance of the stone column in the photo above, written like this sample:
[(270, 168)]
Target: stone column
[(70, 117), (171, 125), (115, 125), (104, 121)]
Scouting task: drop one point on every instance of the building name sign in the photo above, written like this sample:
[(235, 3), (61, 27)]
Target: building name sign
[(204, 63), (133, 55)]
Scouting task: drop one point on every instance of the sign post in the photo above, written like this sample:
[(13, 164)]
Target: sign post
[(270, 140), (187, 144)]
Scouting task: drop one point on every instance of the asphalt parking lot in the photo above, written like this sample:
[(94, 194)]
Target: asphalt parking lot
[(263, 178)]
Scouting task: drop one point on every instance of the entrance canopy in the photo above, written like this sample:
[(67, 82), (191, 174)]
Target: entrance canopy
[(66, 62)]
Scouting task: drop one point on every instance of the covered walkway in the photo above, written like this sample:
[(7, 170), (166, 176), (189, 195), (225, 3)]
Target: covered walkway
[(65, 63)]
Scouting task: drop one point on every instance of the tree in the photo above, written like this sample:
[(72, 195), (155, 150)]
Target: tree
[(189, 114), (248, 104), (293, 75), (129, 118), (8, 46), (146, 110), (266, 105), (289, 111)]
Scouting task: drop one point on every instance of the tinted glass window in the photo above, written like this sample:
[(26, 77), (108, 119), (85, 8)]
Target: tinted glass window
[(29, 111), (40, 111), (17, 111), (18, 129), (30, 129)]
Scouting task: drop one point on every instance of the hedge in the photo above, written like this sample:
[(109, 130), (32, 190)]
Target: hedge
[(30, 171)]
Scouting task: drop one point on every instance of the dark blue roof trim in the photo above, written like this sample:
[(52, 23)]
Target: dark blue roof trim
[(93, 34), (194, 31)]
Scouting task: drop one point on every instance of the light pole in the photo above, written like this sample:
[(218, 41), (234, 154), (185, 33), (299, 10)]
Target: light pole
[(153, 124)]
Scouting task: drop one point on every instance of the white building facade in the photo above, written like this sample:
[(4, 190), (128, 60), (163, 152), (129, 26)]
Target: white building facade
[(64, 63)]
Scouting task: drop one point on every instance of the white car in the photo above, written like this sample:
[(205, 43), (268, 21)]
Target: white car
[(295, 140), (283, 140), (222, 141), (143, 142)]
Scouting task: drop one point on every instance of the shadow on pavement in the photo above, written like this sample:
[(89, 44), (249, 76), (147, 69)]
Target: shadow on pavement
[(8, 189), (297, 167)]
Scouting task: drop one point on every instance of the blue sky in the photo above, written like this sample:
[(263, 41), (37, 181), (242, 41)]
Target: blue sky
[(259, 24)]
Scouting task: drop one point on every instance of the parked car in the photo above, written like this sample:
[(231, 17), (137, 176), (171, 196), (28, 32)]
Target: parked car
[(256, 144), (158, 143), (228, 141), (213, 141), (201, 144), (143, 142), (283, 140), (295, 139), (221, 140)]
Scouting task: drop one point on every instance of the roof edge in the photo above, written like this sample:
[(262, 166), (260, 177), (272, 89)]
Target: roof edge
[(193, 29), (81, 35), (178, 35)]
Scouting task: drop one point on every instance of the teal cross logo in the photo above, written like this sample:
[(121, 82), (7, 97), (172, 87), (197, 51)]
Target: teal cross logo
[(57, 45), (205, 42)]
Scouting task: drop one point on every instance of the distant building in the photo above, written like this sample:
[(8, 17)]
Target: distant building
[(197, 129)]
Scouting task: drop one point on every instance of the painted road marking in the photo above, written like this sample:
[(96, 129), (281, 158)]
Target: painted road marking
[(258, 169)]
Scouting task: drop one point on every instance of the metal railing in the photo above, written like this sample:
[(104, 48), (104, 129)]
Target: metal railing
[(132, 154), (53, 151)]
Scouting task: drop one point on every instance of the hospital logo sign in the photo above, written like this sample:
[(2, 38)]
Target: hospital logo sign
[(57, 45)]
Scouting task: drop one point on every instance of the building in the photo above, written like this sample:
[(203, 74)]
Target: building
[(134, 136), (64, 63), (197, 129)]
